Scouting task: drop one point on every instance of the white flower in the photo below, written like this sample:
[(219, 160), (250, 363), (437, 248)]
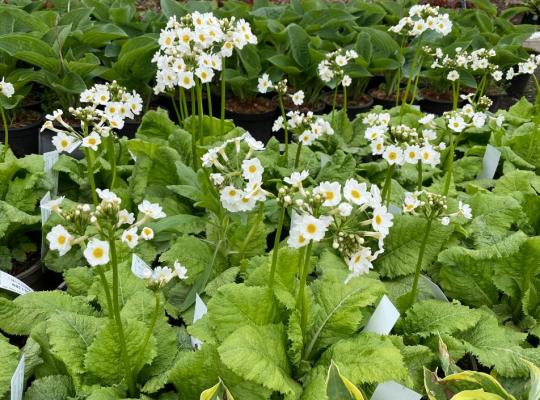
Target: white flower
[(499, 120), (356, 192), (456, 124), (330, 192), (296, 178), (185, 80), (453, 76), (382, 220), (445, 221), (130, 237), (296, 239), (426, 119), (264, 84), (152, 210), (346, 81), (217, 179), (479, 119), (181, 271), (63, 142), (429, 134), (497, 75), (108, 197), (298, 98), (307, 138), (375, 132), (205, 74), (411, 202), (252, 169), (430, 156), (345, 209), (147, 233), (341, 60), (162, 275), (53, 205), (360, 262), (6, 88), (254, 144), (97, 252), (125, 217), (313, 228), (91, 141), (377, 147), (412, 154), (246, 202), (230, 197), (468, 110), (464, 210), (393, 155), (59, 239)]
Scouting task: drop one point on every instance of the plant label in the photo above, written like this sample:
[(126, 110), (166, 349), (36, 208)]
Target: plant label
[(392, 390), (17, 381), (415, 107), (490, 162), (435, 289), (132, 155), (200, 310), (49, 159), (73, 146), (45, 214), (394, 210), (13, 284), (384, 318), (139, 267)]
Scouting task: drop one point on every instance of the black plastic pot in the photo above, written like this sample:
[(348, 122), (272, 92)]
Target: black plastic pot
[(46, 145), (435, 106), (259, 125), (384, 102), (166, 102), (502, 102), (23, 141), (517, 85), (39, 278), (352, 110), (130, 128)]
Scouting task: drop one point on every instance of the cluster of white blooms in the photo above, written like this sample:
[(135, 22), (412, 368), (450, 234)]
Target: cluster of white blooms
[(471, 115), (306, 126), (402, 144), (239, 174), (109, 105), (332, 67), (265, 85), (345, 212), (422, 18), (107, 215), (194, 47), (432, 205), (525, 67), (6, 88), (476, 60), (159, 276)]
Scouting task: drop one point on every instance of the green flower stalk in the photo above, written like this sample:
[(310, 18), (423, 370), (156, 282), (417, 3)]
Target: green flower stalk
[(6, 92)]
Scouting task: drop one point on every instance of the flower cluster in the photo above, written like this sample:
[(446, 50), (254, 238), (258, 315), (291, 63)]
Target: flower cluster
[(402, 144), (476, 60), (306, 126), (159, 276), (525, 67), (433, 206), (107, 217), (239, 174), (6, 88), (332, 67), (195, 46), (109, 105), (265, 85), (471, 115), (345, 212), (422, 18)]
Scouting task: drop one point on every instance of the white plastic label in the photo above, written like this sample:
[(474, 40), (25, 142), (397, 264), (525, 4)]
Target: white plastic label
[(13, 284), (435, 289), (49, 159), (45, 214), (394, 210), (17, 381), (490, 162), (139, 268), (393, 391), (200, 310), (132, 155), (73, 146), (384, 318)]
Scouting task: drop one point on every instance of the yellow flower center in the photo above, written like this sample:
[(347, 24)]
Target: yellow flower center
[(64, 143), (311, 228), (168, 41), (98, 252), (392, 156), (355, 193), (378, 219), (61, 239), (232, 192), (357, 259), (329, 195)]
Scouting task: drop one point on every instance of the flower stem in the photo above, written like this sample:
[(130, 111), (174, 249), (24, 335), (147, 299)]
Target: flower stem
[(297, 158), (112, 159), (184, 107), (176, 111), (344, 103), (398, 91), (301, 302), (150, 328), (201, 111), (282, 108), (387, 187), (420, 179), (117, 316), (222, 122), (414, 290), (449, 165), (412, 72), (107, 291), (6, 130), (90, 171), (334, 103), (275, 252), (210, 113)]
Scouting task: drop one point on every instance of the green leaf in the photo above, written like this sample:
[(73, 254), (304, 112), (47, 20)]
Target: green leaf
[(299, 39), (340, 388), (237, 305), (258, 354), (101, 34), (22, 314), (367, 358), (432, 317), (9, 358), (52, 387), (30, 49), (104, 360), (402, 246)]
